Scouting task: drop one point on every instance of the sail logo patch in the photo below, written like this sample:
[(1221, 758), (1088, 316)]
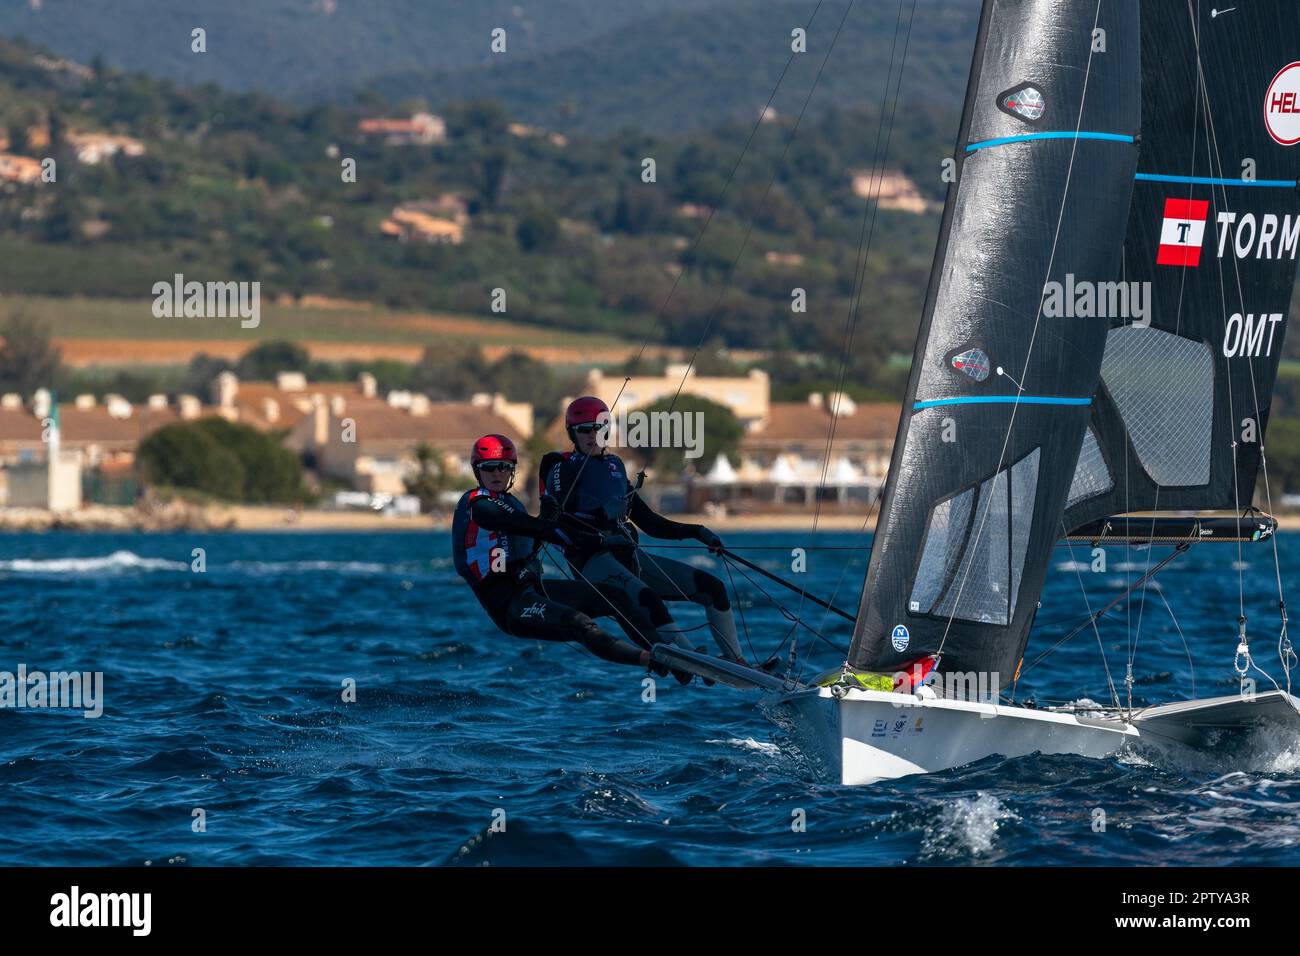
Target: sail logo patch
[(900, 638), (1282, 106), (972, 362), (1023, 101), (1183, 232)]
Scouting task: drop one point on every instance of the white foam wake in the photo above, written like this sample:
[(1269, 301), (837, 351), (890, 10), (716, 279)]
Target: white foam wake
[(294, 567), (117, 561)]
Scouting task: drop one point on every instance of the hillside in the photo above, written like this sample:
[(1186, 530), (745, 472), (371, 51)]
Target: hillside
[(246, 187), (693, 69), (294, 47), (655, 65)]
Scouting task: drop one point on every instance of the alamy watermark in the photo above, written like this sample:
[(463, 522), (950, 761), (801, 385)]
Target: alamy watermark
[(55, 690), (1082, 299), (642, 429), (208, 300)]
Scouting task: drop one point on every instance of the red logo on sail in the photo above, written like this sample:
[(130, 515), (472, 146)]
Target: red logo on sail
[(1282, 106), (1183, 232)]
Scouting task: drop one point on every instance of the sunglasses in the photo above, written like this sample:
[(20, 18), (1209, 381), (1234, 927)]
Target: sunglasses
[(493, 466), (590, 427)]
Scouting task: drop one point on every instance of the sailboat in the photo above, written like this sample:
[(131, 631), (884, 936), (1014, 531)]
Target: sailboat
[(1095, 363)]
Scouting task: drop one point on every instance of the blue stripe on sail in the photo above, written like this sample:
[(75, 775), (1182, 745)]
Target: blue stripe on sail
[(1002, 400), (1211, 181), (1025, 137)]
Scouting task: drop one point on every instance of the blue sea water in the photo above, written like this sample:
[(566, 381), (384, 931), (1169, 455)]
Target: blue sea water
[(223, 693)]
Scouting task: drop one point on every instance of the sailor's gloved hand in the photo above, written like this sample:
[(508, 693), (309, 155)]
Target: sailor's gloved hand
[(709, 540), (617, 542), (550, 509), (586, 540)]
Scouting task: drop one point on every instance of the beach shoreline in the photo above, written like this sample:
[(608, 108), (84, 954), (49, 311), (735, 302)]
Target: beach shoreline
[(180, 516)]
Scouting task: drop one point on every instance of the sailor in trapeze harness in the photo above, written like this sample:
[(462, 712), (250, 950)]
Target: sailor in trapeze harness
[(494, 546), (589, 488)]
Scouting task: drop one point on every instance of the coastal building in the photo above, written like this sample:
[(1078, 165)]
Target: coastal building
[(786, 461), (93, 148), (783, 459), (748, 396), (19, 169), (892, 189), (420, 129), (374, 447), (415, 223)]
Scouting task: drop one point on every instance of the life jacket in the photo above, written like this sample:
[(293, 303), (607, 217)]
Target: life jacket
[(473, 547), (593, 489)]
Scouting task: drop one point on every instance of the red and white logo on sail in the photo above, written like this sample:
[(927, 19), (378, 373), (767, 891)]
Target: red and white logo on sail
[(1282, 106), (1183, 232)]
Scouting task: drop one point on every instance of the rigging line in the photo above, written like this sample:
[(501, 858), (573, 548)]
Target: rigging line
[(623, 621), (1254, 387), (1187, 650), (1029, 352), (866, 237), (802, 592), (1092, 619), (1178, 325), (691, 259), (749, 231), (699, 239), (759, 547), (772, 181), (740, 609), (714, 632), (844, 567), (786, 613), (1212, 152)]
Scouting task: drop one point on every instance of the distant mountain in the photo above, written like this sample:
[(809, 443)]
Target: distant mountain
[(655, 65), (296, 47), (696, 68)]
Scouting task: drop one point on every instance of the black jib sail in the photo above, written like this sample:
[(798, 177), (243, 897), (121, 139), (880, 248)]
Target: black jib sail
[(983, 460), (1213, 234)]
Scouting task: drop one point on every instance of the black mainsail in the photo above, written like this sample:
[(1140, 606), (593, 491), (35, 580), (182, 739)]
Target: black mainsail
[(1214, 228), (983, 461)]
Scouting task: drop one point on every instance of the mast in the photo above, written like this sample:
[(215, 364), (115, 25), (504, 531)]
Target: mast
[(983, 461)]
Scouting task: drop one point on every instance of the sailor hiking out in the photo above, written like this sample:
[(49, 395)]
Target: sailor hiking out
[(589, 489), (495, 544)]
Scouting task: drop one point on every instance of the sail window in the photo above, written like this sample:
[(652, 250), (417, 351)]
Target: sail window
[(973, 558), (943, 542), (1091, 476), (1163, 386)]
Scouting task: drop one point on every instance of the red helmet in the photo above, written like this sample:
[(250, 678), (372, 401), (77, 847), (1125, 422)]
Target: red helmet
[(583, 411), (492, 448)]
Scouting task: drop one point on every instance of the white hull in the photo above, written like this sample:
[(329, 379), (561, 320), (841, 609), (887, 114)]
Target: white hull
[(865, 736)]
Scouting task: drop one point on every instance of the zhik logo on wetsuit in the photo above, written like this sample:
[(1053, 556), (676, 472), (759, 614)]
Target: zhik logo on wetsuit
[(536, 610)]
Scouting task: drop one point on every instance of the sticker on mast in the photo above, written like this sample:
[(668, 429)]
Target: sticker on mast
[(1183, 232), (1282, 106)]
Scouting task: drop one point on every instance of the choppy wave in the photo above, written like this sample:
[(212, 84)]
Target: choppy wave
[(343, 697), (116, 562), (298, 567)]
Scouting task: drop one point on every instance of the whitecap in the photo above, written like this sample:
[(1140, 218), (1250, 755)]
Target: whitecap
[(117, 561)]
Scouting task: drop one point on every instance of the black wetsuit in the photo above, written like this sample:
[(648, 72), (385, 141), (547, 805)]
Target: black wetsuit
[(592, 493), (494, 547)]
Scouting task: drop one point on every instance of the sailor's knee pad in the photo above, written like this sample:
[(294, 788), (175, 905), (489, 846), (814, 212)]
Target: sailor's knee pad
[(710, 591)]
